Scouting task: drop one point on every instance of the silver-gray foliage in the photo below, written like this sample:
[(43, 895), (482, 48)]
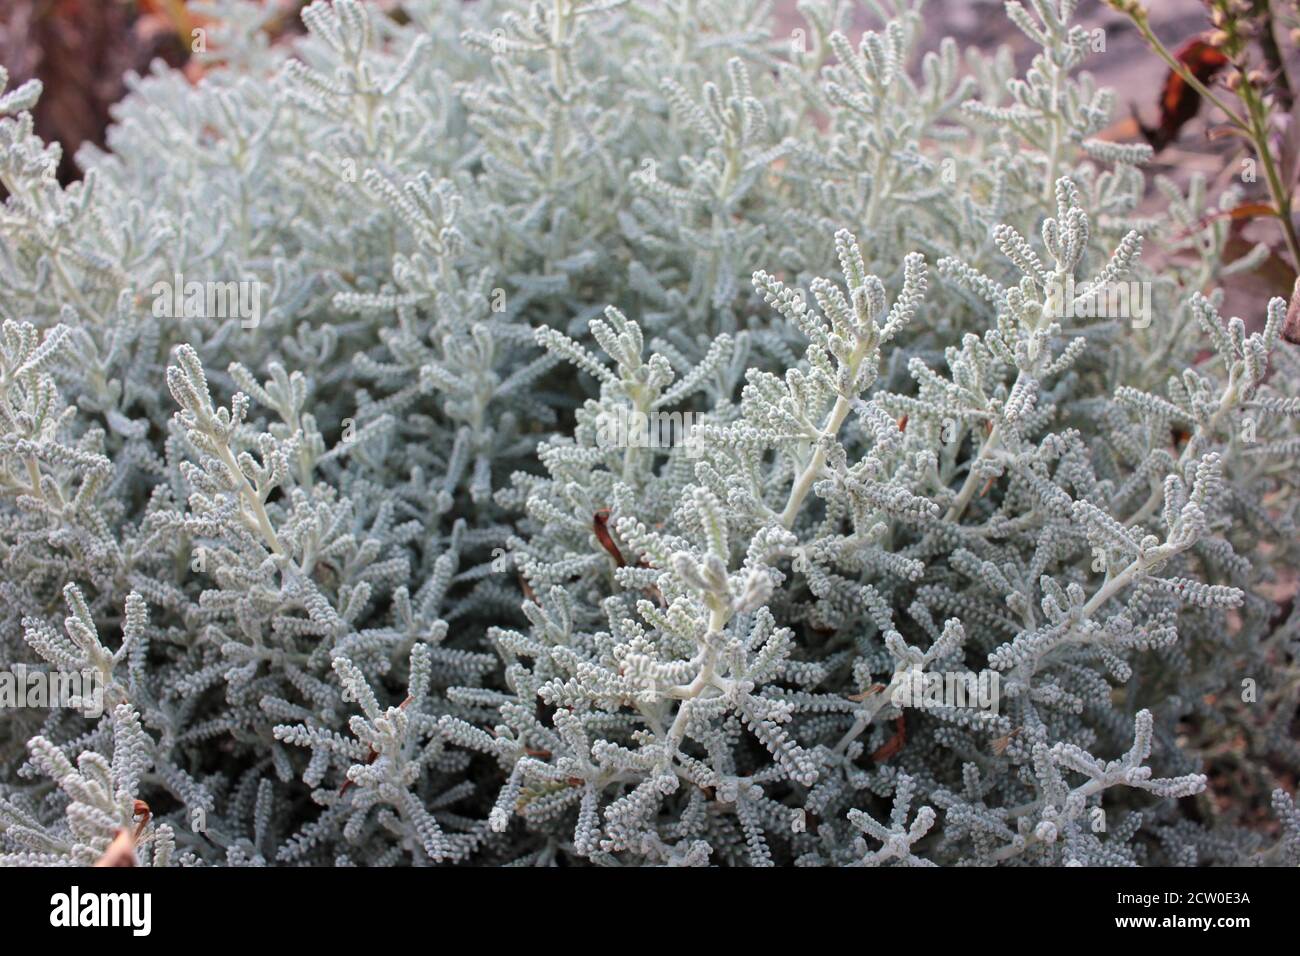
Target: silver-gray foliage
[(366, 582)]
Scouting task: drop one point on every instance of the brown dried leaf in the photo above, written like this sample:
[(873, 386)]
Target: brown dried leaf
[(600, 525), (1179, 102), (894, 744)]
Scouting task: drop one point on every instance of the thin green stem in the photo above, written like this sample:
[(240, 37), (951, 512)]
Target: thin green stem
[(1144, 28)]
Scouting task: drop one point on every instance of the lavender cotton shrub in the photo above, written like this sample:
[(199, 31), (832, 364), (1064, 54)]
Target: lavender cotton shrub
[(331, 460)]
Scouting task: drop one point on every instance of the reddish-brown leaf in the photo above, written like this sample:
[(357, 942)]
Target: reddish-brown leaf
[(1238, 213), (1179, 102), (1000, 744), (869, 692), (600, 524), (145, 814), (894, 744)]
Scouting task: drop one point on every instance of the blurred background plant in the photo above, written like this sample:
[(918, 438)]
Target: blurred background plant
[(82, 51), (1256, 103)]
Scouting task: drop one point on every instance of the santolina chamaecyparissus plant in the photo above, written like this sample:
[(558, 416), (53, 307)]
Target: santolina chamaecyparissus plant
[(596, 432)]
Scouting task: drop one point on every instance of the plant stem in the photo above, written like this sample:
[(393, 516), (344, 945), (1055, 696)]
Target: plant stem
[(1254, 126), (808, 477), (1278, 191), (840, 411), (1144, 28)]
